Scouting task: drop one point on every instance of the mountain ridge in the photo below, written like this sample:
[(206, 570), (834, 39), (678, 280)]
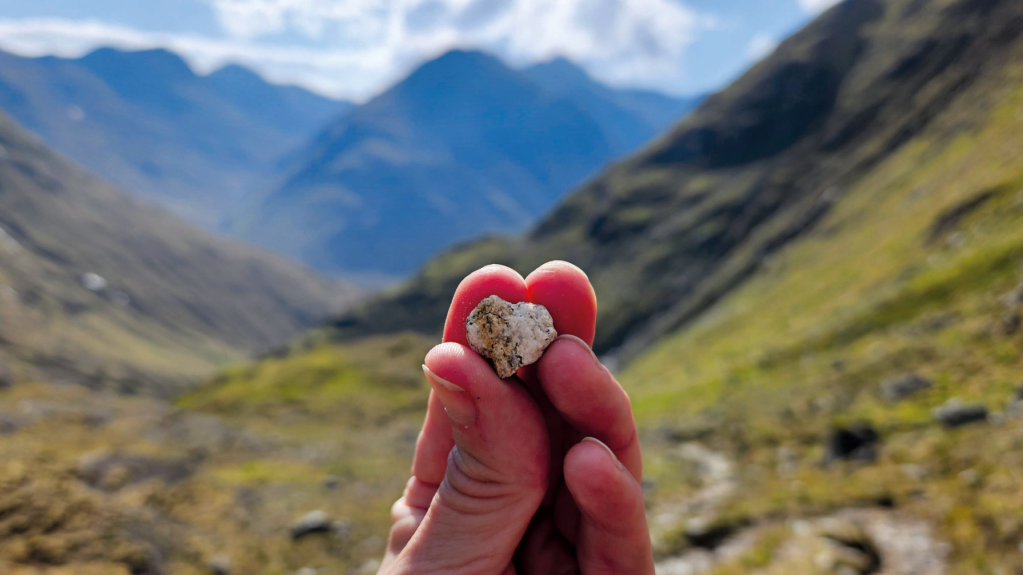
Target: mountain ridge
[(99, 288), (461, 130), (145, 121)]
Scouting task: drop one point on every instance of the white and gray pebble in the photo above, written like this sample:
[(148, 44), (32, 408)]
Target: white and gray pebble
[(509, 335)]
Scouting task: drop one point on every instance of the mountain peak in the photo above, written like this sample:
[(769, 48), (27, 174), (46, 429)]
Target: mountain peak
[(458, 62), (236, 72), (562, 66), (157, 60)]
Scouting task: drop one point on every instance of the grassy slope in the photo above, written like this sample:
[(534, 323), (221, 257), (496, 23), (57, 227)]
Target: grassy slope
[(872, 293), (194, 301), (268, 436)]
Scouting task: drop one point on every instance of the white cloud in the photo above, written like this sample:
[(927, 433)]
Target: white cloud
[(354, 48), (761, 46), (816, 6), (343, 73)]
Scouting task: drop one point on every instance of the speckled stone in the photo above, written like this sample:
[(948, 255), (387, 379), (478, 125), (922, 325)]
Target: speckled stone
[(509, 335)]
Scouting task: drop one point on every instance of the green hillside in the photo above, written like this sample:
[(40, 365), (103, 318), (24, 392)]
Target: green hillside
[(99, 289)]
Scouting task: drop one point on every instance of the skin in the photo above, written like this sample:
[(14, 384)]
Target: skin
[(539, 473)]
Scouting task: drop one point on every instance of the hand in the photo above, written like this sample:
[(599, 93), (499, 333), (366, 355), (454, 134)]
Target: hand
[(538, 474)]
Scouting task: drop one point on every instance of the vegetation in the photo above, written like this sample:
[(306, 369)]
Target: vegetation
[(99, 289), (120, 484)]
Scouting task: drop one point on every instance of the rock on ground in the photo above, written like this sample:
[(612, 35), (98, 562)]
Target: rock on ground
[(904, 386), (954, 413)]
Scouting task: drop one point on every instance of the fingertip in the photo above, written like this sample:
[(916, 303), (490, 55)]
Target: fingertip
[(494, 279), (565, 290), (458, 365)]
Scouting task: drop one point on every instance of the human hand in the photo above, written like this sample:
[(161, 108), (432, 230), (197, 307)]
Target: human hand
[(538, 473)]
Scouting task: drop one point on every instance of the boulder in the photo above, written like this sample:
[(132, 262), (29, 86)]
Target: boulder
[(855, 443), (954, 413), (220, 565), (904, 386), (312, 522)]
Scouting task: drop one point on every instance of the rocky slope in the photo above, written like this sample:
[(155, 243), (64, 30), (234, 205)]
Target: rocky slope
[(104, 290)]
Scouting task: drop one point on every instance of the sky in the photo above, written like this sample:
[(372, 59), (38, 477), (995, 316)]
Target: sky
[(354, 49)]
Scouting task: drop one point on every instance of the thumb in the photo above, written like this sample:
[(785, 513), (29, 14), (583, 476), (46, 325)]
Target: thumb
[(496, 474)]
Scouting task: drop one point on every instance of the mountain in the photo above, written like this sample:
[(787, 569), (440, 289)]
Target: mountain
[(630, 118), (145, 121), (670, 231), (463, 145), (99, 288)]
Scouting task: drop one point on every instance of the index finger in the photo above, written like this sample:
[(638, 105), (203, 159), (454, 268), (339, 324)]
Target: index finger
[(498, 280), (435, 441)]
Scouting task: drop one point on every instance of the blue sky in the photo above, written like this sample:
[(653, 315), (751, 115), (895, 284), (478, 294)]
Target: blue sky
[(355, 48)]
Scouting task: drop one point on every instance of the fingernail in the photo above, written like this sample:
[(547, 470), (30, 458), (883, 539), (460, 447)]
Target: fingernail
[(457, 404), (434, 378), (614, 458), (589, 349)]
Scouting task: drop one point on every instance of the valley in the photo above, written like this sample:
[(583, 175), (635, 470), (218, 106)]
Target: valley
[(811, 288)]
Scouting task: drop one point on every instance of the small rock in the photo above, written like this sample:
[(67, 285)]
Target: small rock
[(312, 522), (369, 567), (856, 443), (94, 282), (904, 386), (955, 413), (1013, 298), (220, 565), (306, 571), (970, 478), (510, 335), (648, 485), (1011, 322), (913, 472), (707, 533), (121, 299), (331, 482)]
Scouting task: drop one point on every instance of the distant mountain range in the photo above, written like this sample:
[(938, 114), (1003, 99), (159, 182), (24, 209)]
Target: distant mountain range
[(100, 289), (464, 146), (145, 121)]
